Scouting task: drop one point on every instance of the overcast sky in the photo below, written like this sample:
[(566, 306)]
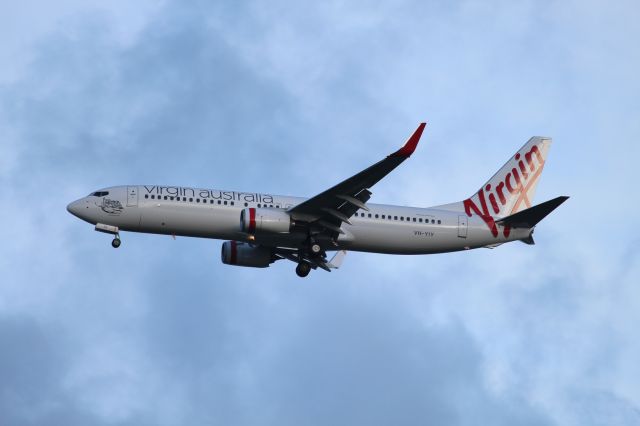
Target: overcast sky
[(290, 98)]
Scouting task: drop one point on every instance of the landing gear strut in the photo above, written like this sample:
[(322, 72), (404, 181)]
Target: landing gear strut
[(303, 269), (310, 250), (112, 230)]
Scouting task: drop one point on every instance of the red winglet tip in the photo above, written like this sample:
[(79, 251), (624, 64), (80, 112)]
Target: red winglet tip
[(411, 144)]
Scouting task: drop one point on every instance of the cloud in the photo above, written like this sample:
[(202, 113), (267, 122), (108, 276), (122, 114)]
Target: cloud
[(32, 362), (370, 365)]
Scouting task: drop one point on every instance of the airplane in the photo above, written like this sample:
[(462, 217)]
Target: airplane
[(263, 228)]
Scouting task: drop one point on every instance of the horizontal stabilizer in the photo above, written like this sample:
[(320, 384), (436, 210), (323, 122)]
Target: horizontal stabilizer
[(492, 246), (529, 240), (530, 217)]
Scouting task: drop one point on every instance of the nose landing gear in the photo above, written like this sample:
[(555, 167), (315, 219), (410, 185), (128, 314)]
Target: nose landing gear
[(115, 243), (109, 229)]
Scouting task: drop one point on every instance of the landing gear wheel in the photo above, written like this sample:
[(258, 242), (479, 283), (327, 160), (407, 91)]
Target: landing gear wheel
[(315, 248), (303, 269), (116, 242)]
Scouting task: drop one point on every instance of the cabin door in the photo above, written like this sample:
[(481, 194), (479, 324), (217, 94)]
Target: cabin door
[(132, 196)]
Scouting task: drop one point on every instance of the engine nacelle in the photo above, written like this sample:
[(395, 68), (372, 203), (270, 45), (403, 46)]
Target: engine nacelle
[(244, 254), (254, 221)]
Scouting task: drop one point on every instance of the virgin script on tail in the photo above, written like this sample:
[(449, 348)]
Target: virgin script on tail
[(518, 182)]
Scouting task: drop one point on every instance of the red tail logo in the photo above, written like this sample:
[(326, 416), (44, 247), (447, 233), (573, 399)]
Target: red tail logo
[(517, 182)]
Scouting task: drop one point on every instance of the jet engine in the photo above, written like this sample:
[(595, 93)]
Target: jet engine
[(244, 254), (260, 220)]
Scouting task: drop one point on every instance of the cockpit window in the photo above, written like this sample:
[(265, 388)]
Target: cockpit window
[(100, 193)]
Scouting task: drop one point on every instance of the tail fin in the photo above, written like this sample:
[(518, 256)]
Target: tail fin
[(513, 187)]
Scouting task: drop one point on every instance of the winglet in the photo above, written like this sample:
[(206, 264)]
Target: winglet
[(411, 144)]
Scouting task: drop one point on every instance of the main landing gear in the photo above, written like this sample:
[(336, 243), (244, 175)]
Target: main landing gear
[(310, 250), (115, 243), (303, 269)]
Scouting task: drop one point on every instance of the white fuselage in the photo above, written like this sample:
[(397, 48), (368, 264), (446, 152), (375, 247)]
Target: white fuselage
[(215, 214)]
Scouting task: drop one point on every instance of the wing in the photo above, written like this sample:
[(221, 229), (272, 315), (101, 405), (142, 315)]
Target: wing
[(330, 208)]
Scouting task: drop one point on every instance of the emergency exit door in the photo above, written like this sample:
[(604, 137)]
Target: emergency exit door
[(462, 226)]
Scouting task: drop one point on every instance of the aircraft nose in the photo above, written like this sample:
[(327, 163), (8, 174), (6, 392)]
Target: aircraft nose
[(74, 208)]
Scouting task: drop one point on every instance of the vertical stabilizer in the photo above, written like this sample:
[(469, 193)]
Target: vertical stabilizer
[(513, 187)]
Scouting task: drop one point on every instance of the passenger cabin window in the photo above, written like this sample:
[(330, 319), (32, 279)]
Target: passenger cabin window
[(439, 222), (146, 195), (153, 197)]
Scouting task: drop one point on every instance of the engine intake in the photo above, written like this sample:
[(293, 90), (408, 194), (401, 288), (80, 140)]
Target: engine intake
[(261, 220), (244, 254)]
